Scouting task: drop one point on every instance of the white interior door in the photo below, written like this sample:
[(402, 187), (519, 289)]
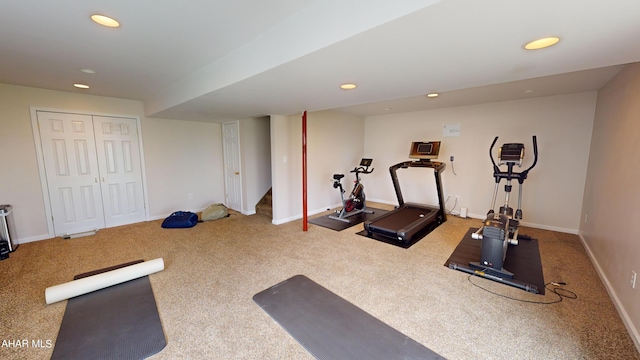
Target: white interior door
[(120, 170), (72, 172), (233, 178), (93, 170)]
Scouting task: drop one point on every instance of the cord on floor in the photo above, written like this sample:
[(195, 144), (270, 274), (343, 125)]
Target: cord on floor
[(557, 289)]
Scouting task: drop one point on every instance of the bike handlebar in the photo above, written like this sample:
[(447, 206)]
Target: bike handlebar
[(362, 170)]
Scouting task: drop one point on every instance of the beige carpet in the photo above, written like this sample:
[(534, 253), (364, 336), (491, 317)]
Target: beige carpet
[(204, 295)]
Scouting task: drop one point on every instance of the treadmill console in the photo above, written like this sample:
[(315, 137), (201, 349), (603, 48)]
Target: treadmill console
[(424, 150)]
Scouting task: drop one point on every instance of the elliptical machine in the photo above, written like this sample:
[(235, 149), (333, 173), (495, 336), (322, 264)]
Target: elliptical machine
[(356, 203), (501, 229)]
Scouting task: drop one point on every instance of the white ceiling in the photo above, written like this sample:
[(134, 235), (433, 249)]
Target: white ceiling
[(213, 60)]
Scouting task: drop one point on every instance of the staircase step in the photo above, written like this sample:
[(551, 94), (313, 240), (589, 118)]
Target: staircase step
[(263, 209), (264, 206)]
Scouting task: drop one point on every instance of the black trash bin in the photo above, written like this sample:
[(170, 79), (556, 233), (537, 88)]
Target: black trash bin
[(4, 249)]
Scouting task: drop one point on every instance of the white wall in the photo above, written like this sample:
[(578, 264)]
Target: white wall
[(280, 168), (182, 158), (611, 199), (256, 161), (335, 144), (552, 195), (19, 177), (178, 155)]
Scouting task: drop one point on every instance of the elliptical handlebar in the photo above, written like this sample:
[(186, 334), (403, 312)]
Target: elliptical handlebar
[(535, 154), (495, 167)]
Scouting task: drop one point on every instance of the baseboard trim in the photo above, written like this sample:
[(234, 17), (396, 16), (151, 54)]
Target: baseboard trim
[(296, 217), (33, 238), (626, 320), (483, 216)]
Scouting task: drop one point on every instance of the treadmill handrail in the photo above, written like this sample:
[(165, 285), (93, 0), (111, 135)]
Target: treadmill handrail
[(437, 166)]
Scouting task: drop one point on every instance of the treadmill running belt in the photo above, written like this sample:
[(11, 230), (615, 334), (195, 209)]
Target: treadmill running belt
[(402, 220), (405, 225), (330, 327)]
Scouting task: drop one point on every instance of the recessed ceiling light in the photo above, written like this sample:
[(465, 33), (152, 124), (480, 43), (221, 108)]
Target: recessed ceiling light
[(81, 86), (348, 86), (88, 71), (541, 43), (105, 21), (433, 95)]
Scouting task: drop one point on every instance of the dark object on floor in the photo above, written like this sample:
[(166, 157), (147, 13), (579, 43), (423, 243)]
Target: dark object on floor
[(413, 217), (500, 229), (332, 224), (180, 219), (411, 220), (330, 327), (4, 249), (523, 260), (119, 322)]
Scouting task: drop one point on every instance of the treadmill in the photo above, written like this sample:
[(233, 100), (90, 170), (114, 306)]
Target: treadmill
[(410, 222)]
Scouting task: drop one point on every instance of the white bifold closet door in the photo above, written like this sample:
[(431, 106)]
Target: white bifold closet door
[(93, 170)]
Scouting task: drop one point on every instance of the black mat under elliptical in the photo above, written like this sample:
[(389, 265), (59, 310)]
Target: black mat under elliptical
[(330, 327), (119, 322), (523, 260), (338, 225)]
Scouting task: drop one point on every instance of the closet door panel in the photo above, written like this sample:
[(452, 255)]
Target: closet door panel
[(72, 173), (120, 168)]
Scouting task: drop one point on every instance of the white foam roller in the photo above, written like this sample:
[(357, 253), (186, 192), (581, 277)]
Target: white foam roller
[(100, 281)]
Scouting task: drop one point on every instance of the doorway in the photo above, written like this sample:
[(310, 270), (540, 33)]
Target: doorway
[(232, 176)]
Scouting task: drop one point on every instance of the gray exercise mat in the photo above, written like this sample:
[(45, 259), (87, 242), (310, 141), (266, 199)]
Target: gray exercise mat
[(330, 327), (119, 322)]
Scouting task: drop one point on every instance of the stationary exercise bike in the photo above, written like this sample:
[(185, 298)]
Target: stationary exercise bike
[(356, 203), (501, 229)]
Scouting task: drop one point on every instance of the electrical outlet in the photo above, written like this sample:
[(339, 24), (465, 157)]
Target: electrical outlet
[(451, 158), (190, 196), (633, 279), (586, 216)]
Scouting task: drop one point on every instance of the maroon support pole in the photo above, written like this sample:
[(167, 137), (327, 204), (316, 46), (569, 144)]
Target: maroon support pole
[(305, 224)]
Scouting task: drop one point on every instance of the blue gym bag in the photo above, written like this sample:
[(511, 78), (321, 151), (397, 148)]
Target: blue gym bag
[(180, 219)]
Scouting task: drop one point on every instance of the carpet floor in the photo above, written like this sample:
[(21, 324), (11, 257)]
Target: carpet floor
[(212, 271)]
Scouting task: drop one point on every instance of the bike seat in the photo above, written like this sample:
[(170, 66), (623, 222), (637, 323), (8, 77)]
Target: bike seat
[(338, 176)]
